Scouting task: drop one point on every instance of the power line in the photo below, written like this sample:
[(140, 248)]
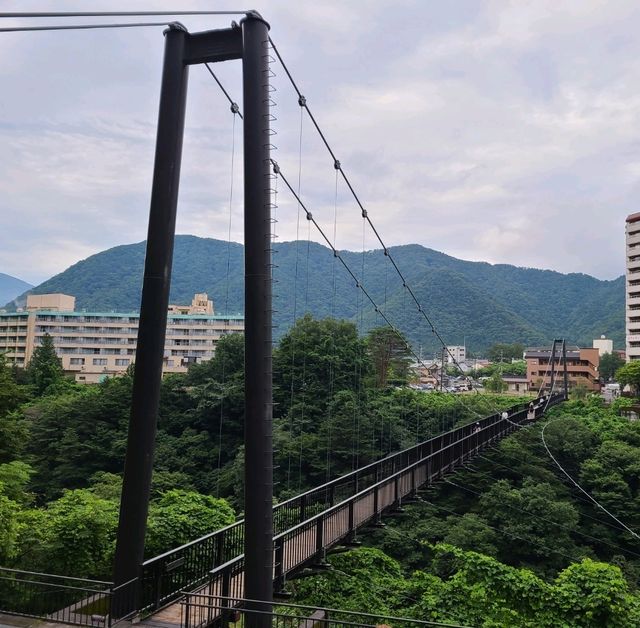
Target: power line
[(515, 536), (555, 523), (302, 102), (234, 105), (336, 254), (520, 473)]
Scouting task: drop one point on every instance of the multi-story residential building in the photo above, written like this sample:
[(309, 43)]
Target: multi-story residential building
[(582, 368), (633, 287), (95, 345), (457, 353)]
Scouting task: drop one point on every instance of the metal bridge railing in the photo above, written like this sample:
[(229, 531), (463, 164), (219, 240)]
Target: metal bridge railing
[(55, 598), (307, 541), (188, 566), (64, 599)]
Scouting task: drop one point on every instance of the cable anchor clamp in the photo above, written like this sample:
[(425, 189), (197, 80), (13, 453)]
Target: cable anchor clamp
[(234, 107), (364, 213), (276, 167), (336, 164), (302, 101)]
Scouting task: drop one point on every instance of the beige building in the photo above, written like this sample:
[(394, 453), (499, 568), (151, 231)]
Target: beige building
[(582, 368), (632, 292), (95, 345)]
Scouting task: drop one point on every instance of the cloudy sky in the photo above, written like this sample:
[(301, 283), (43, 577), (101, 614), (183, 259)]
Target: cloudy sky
[(500, 131)]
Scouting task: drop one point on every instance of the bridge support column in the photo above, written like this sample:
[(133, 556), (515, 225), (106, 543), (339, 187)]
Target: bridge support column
[(147, 377), (258, 542)]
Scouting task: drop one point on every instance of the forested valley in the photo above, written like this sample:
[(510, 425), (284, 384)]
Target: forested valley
[(506, 541)]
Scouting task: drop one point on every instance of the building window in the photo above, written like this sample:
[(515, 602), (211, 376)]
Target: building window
[(122, 361), (100, 361), (76, 361)]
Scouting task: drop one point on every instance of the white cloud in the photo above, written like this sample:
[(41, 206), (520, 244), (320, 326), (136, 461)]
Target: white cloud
[(497, 131)]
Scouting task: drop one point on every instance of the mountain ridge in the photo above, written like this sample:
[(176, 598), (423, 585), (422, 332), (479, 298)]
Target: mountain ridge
[(477, 301), (11, 287)]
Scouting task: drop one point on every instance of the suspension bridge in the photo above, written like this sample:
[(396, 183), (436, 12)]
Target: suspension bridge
[(255, 556)]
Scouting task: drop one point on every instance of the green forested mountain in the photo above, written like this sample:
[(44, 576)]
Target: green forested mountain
[(481, 302), (11, 287)]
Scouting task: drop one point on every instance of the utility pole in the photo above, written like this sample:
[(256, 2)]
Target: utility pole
[(444, 349)]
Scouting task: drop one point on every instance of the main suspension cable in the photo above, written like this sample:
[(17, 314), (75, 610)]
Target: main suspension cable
[(336, 254), (364, 212)]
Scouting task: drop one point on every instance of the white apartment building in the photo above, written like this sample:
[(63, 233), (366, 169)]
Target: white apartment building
[(457, 353), (95, 345), (632, 313)]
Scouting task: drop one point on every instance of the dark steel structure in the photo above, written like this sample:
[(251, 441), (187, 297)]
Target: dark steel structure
[(559, 353), (258, 465), (153, 310), (250, 43)]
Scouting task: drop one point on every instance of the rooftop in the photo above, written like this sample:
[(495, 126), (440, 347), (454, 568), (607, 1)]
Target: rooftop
[(633, 217)]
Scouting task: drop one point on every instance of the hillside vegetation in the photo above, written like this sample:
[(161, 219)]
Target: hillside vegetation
[(476, 301)]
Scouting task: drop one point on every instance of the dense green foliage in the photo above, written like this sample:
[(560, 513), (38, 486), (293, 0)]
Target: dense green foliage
[(609, 364), (505, 542), (45, 367), (509, 542), (515, 504), (629, 375), (63, 444), (491, 303), (472, 589)]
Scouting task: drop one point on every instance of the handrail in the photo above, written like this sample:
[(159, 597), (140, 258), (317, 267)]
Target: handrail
[(385, 480), (53, 575)]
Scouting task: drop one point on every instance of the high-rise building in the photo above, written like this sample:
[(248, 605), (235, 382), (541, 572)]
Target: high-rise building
[(95, 345), (633, 287)]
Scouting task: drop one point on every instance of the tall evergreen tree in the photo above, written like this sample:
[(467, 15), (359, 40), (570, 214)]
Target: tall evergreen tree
[(45, 367)]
